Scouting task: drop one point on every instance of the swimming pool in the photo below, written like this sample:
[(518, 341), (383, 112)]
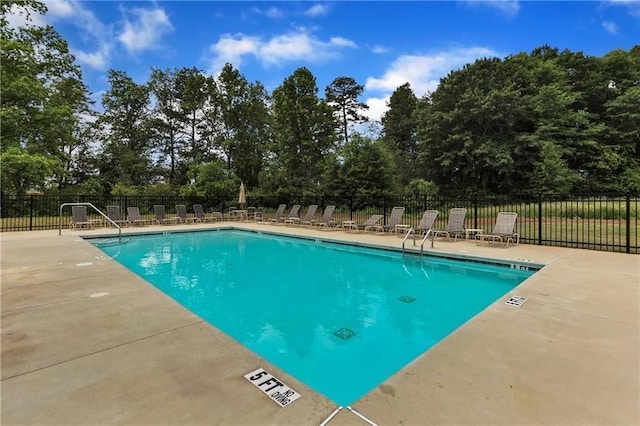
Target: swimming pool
[(340, 318)]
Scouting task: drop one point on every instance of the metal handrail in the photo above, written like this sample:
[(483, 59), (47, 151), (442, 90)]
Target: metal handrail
[(96, 209), (407, 236), (425, 239)]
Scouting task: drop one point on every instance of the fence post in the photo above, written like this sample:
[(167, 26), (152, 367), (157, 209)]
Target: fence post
[(384, 209), (31, 212), (351, 207), (475, 210), (628, 217), (539, 219)]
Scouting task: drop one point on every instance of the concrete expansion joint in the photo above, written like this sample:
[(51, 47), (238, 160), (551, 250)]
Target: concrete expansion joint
[(199, 321), (354, 412)]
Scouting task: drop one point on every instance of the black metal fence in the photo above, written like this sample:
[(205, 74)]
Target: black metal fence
[(606, 222)]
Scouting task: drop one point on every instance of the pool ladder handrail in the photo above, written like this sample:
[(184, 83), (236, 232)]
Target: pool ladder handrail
[(96, 209), (428, 233), (409, 232)]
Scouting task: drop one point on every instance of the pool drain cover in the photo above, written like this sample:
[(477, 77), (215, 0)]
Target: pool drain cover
[(516, 301), (344, 333), (406, 299)]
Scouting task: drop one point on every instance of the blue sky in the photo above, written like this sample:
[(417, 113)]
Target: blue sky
[(381, 44)]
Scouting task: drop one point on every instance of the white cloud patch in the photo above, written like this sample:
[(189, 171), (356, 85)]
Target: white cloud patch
[(92, 30), (144, 28), (610, 27), (298, 45), (274, 13), (633, 6), (509, 8), (61, 8), (422, 72), (317, 10), (17, 17), (379, 49), (98, 59)]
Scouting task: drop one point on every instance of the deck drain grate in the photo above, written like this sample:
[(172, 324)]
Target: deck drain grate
[(344, 333), (516, 301), (406, 299)]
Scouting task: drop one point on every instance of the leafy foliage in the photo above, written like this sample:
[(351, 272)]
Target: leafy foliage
[(543, 121)]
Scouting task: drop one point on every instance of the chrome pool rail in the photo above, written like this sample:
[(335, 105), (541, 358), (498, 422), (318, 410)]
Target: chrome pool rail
[(96, 209)]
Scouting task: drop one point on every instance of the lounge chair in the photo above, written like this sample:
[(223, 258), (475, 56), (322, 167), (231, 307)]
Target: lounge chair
[(293, 214), (308, 217), (455, 225), (134, 216), (371, 224), (259, 215), (394, 219), (278, 214), (326, 220), (161, 216), (181, 214), (199, 215), (503, 231), (426, 223), (79, 218), (113, 213)]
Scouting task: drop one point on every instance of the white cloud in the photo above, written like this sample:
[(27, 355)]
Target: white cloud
[(231, 48), (422, 72), (61, 8), (93, 31), (508, 8), (633, 6), (379, 49), (377, 107), (610, 27), (145, 30), (298, 45), (17, 17), (274, 13), (98, 60), (317, 10)]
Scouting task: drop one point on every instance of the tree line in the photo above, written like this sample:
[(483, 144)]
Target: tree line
[(533, 122)]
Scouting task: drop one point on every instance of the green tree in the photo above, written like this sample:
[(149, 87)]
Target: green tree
[(167, 119), (126, 155), (193, 95), (211, 179), (368, 168), (44, 105), (399, 132), (22, 171), (343, 94), (304, 131)]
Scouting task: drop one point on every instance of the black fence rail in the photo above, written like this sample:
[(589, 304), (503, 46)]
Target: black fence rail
[(608, 222)]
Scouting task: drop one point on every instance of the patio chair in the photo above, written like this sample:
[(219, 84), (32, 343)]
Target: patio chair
[(503, 231), (426, 223), (199, 215), (394, 219), (455, 225), (113, 213), (181, 214), (308, 217), (278, 214), (371, 224), (259, 214), (326, 220), (294, 214), (134, 216), (79, 218), (161, 216)]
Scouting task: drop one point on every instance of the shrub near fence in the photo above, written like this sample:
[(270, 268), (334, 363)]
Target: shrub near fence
[(607, 222)]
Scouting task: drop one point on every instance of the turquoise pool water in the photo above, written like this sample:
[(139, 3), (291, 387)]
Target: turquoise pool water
[(341, 319)]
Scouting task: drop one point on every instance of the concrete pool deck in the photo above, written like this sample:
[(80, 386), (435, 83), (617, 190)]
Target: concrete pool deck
[(96, 344)]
